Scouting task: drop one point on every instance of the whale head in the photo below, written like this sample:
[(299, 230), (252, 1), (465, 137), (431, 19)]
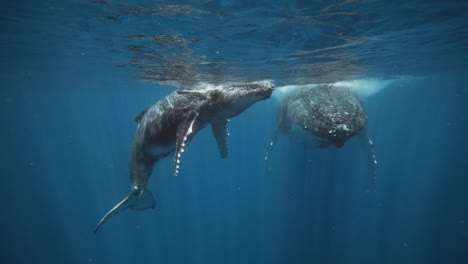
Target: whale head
[(235, 98)]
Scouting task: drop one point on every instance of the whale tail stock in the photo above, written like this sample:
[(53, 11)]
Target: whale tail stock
[(136, 200)]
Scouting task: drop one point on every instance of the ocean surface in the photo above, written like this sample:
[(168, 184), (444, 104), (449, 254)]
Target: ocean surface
[(74, 74)]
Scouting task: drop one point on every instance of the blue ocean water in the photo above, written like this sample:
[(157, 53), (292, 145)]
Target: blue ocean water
[(74, 74)]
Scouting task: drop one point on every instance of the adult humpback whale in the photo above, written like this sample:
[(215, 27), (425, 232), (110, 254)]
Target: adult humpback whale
[(331, 114), (171, 123)]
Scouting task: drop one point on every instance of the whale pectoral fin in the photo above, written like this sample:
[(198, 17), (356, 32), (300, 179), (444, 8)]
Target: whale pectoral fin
[(270, 148), (136, 200), (220, 133), (184, 134), (368, 147)]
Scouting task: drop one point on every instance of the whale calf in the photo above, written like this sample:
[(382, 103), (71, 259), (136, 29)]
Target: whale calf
[(330, 114), (166, 128)]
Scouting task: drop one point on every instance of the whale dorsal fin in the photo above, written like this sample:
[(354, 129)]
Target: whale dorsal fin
[(140, 116), (184, 134), (220, 133)]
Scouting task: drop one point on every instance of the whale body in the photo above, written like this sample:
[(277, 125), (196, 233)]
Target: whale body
[(168, 126), (329, 114)]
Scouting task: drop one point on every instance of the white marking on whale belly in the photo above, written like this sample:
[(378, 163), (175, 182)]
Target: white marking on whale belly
[(155, 150)]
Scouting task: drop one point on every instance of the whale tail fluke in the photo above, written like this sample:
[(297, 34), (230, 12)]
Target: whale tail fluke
[(136, 200)]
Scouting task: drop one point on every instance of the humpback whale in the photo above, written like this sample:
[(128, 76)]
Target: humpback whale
[(168, 126), (330, 114)]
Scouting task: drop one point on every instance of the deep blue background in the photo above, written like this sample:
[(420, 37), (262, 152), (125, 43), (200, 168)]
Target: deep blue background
[(66, 131)]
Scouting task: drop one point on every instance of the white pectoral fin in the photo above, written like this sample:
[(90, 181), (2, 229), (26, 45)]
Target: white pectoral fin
[(271, 146), (136, 200), (368, 147), (184, 134), (219, 128)]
